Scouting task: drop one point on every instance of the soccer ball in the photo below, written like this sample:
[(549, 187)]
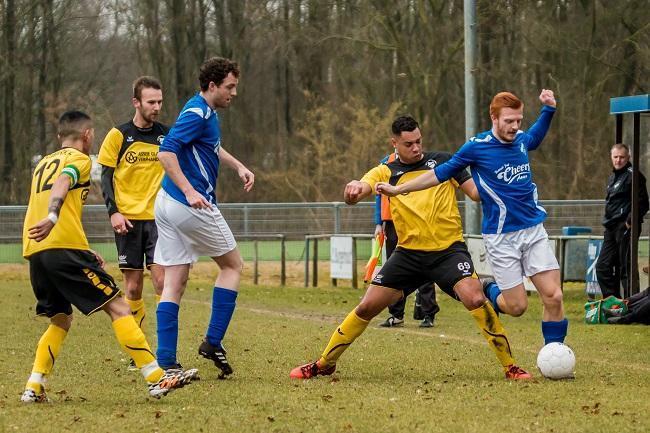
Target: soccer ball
[(556, 361)]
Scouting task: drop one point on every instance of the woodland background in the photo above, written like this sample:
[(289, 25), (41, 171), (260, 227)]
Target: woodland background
[(322, 79)]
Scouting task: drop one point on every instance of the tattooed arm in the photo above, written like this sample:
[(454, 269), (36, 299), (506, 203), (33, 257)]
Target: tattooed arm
[(57, 197)]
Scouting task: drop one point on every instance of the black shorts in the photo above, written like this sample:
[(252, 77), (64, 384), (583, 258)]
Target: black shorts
[(407, 270), (62, 278), (136, 247)]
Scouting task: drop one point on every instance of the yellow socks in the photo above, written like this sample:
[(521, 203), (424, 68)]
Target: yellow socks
[(138, 311), (134, 343), (46, 352), (345, 334), (491, 328)]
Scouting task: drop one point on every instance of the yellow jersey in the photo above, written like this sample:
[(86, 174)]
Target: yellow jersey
[(133, 153), (426, 220), (67, 232)]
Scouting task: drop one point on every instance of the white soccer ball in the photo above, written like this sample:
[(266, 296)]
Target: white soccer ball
[(556, 361)]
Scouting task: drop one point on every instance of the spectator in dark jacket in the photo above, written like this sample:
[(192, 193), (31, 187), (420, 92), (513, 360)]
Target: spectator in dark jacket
[(613, 267)]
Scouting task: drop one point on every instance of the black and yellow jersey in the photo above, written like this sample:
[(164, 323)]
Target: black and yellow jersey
[(133, 153), (426, 220), (68, 232)]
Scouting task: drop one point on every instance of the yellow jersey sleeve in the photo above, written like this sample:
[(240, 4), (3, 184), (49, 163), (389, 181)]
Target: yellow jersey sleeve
[(110, 148), (79, 165), (381, 173)]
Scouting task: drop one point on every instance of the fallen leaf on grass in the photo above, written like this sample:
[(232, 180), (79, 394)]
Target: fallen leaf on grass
[(595, 410)]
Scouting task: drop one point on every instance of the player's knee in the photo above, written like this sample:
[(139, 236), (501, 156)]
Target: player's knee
[(158, 284), (132, 292), (518, 309), (63, 321), (515, 304), (234, 263), (364, 311), (474, 300), (117, 308), (133, 285), (554, 300)]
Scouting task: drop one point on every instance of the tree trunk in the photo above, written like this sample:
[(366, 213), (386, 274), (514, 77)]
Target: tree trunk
[(9, 102)]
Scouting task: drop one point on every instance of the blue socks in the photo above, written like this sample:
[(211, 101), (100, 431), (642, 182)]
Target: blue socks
[(167, 318), (223, 306), (492, 292), (555, 332)]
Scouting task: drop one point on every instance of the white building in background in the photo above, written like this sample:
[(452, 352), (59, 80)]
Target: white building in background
[(96, 170)]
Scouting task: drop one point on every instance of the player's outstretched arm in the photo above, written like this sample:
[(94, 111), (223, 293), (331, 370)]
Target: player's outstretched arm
[(244, 174), (538, 130), (169, 161), (355, 191), (424, 181), (58, 194)]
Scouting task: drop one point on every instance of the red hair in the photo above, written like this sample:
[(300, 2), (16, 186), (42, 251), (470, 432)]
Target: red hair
[(504, 100)]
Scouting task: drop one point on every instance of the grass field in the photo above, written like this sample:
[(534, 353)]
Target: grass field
[(401, 380), (267, 250)]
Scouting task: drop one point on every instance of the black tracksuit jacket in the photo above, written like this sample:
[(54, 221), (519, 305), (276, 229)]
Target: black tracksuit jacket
[(618, 203)]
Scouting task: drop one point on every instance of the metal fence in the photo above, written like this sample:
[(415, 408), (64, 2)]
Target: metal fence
[(295, 220), (277, 231)]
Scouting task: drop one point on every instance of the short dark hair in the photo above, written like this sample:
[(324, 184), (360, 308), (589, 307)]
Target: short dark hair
[(404, 123), (145, 82), (73, 123), (216, 69)]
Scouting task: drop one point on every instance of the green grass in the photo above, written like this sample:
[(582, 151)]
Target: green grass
[(403, 380), (267, 251)]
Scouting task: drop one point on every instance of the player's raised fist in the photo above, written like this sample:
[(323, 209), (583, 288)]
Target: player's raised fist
[(547, 97), (352, 192)]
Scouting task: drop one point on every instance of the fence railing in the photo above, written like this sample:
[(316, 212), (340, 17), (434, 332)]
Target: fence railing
[(295, 220), (277, 231)]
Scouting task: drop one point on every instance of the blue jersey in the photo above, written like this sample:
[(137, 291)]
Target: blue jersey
[(502, 175), (195, 138)]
